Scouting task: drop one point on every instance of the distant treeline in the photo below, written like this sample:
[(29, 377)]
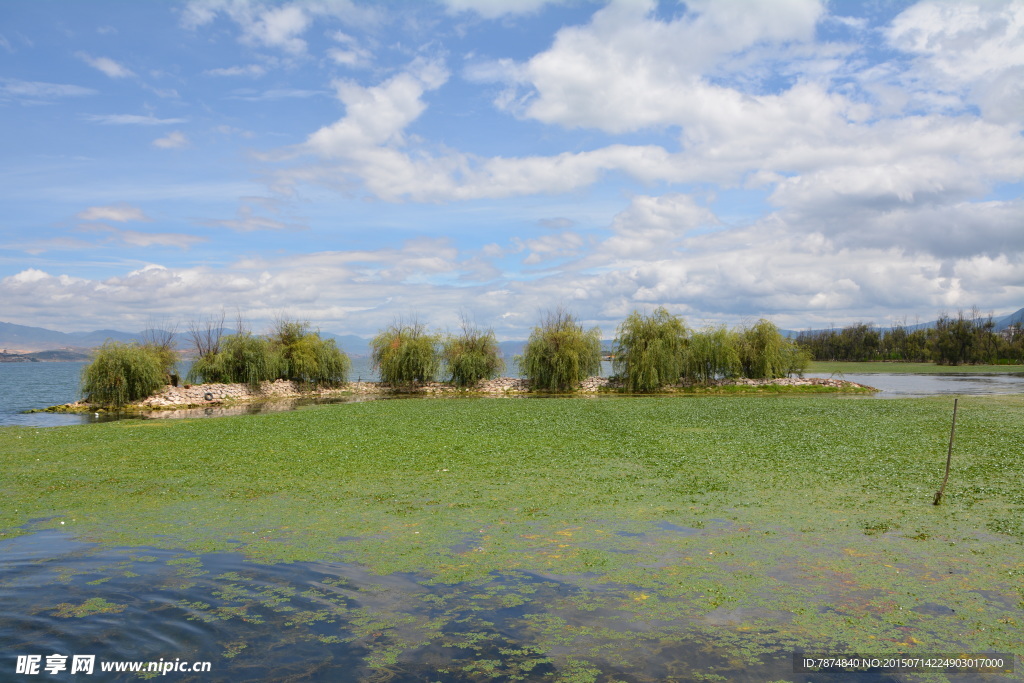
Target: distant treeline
[(960, 340)]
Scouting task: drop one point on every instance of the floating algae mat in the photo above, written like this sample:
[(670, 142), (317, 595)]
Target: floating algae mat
[(472, 540)]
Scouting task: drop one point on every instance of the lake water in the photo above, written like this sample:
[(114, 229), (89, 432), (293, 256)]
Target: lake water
[(24, 386), (339, 621), (313, 621)]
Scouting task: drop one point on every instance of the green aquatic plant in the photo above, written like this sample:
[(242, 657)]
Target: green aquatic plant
[(650, 350), (759, 524), (124, 373), (560, 354)]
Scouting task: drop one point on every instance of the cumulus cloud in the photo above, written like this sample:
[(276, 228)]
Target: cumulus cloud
[(627, 69), (106, 65), (173, 140), (970, 48), (278, 26)]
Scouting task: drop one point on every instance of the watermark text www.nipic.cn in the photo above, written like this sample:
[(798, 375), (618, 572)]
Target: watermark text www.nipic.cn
[(38, 665)]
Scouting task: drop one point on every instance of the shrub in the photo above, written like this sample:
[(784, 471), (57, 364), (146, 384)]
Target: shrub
[(649, 350), (242, 358), (559, 354), (711, 354), (472, 356), (123, 373), (404, 354), (307, 357)]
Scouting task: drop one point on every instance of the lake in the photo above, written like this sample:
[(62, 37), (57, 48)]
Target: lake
[(24, 386), (627, 540)]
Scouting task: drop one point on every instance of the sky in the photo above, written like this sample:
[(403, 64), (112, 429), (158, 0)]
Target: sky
[(356, 163)]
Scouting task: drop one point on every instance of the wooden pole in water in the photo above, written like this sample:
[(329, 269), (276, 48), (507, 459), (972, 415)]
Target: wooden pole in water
[(949, 457)]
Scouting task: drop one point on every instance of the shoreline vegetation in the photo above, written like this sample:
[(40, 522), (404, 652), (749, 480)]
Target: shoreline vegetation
[(651, 354), (222, 394), (868, 367)]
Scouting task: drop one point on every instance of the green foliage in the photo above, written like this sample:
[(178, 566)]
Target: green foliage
[(965, 338), (404, 354), (650, 350), (763, 351), (291, 351), (559, 354), (243, 358), (712, 353), (124, 373), (307, 357), (472, 356), (796, 359)]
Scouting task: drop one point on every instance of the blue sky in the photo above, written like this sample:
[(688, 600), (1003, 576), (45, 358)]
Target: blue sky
[(351, 163)]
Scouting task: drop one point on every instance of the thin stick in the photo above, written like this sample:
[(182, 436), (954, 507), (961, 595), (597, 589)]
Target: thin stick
[(949, 457)]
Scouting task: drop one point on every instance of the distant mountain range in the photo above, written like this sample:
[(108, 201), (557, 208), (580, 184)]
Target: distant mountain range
[(1001, 323), (23, 339)]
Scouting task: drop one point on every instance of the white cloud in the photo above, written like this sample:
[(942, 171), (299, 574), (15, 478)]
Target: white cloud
[(493, 9), (966, 48), (558, 246), (173, 140), (652, 226), (628, 70), (280, 27), (29, 91), (275, 94), (248, 221), (121, 213), (138, 238), (106, 65), (251, 70), (377, 115), (277, 25), (131, 120)]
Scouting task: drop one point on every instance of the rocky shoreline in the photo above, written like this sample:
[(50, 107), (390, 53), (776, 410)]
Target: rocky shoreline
[(200, 395)]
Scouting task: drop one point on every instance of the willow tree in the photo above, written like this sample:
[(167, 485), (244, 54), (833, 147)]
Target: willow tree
[(712, 353), (650, 350), (123, 373), (306, 356), (406, 353), (242, 358), (472, 356), (560, 354), (764, 351)]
